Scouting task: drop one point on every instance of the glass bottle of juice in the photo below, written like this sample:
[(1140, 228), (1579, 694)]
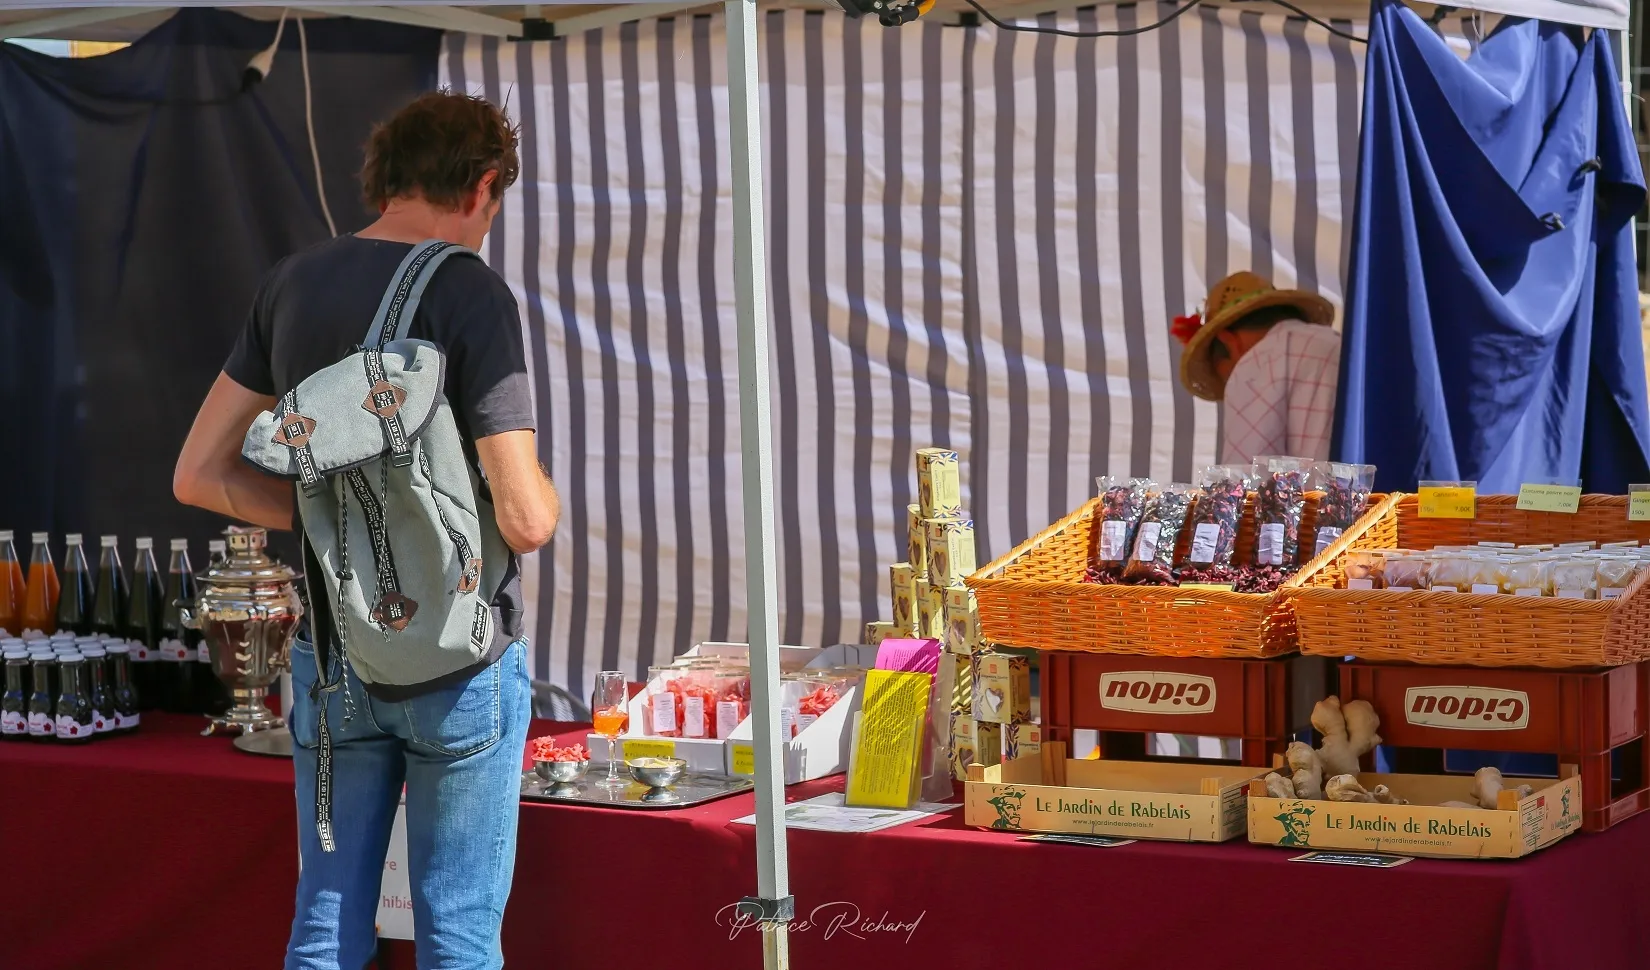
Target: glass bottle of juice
[(141, 614), (13, 588), (40, 590), (178, 642), (74, 604)]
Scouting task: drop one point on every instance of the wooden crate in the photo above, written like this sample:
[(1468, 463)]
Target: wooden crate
[(1516, 827), (1585, 717), (1260, 702), (1484, 629), (1035, 596), (1137, 800)]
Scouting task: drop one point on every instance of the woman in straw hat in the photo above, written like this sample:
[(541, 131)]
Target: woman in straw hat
[(1272, 357)]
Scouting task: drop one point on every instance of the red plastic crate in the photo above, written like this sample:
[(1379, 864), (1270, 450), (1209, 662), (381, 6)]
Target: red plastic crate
[(1581, 715), (1125, 697)]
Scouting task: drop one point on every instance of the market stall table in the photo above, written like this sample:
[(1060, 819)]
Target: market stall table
[(194, 842)]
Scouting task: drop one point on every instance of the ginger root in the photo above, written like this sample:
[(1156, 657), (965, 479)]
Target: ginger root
[(1345, 788), (1278, 786), (1348, 733), (1487, 785), (1384, 795), (1307, 768)]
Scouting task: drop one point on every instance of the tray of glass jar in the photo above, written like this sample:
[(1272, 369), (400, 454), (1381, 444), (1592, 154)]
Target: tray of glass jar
[(653, 783)]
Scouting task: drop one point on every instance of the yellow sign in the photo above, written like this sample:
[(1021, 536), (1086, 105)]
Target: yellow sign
[(1448, 502), (649, 748), (886, 744), (1638, 507), (744, 759), (1549, 498), (1218, 587)]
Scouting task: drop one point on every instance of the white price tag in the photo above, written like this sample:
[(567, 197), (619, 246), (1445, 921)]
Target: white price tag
[(1204, 539), (1113, 534), (693, 717), (1360, 584), (664, 712), (1145, 543), (727, 717), (1326, 535), (1611, 592), (1269, 546), (1485, 588), (1527, 591)]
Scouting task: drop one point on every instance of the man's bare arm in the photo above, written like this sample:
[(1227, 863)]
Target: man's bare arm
[(524, 501), (210, 472)]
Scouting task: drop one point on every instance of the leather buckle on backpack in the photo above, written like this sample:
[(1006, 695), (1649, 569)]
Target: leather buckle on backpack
[(468, 582), (394, 611), (384, 399), (294, 431)]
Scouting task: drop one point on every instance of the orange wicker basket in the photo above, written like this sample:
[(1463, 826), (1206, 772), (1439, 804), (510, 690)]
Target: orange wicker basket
[(1485, 630), (1035, 596)]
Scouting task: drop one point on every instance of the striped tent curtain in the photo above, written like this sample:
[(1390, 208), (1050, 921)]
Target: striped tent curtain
[(977, 239)]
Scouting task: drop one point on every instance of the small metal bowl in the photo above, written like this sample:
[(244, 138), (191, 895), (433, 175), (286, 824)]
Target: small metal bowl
[(561, 772), (657, 773)]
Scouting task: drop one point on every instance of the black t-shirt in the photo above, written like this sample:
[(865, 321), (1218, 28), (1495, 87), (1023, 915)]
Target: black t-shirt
[(314, 309)]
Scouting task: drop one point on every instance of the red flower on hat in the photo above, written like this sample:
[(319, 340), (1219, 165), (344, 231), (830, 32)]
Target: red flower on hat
[(1185, 327)]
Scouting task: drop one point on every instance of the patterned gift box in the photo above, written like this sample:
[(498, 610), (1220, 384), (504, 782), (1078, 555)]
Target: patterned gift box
[(1002, 688)]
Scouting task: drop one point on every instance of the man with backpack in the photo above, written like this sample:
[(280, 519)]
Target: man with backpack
[(380, 391)]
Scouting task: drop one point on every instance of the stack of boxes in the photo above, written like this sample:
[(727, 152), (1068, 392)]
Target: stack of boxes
[(991, 693)]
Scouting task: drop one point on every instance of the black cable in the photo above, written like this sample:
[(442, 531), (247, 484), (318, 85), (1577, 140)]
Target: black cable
[(1132, 31), (1326, 25), (1062, 32)]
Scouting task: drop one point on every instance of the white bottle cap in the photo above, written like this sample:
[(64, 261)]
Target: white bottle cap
[(7, 535), (93, 652), (68, 658), (71, 539), (180, 545), (218, 545), (107, 541), (40, 537), (141, 542), (118, 648)]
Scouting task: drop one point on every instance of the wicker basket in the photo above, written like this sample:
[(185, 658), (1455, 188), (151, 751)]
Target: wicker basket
[(1035, 596), (1485, 630)]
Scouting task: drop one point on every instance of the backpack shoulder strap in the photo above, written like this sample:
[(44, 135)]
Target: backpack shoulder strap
[(400, 302)]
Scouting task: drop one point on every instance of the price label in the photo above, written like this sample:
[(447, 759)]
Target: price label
[(1638, 505), (1220, 587), (649, 748), (1549, 498), (744, 759), (1448, 502)]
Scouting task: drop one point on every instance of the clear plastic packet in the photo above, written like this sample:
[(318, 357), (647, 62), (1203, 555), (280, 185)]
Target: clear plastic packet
[(1280, 503), (1529, 576), (1409, 572), (1573, 578), (1489, 574), (1365, 569), (1122, 503), (1214, 525), (1452, 572), (1345, 489), (1151, 563), (1615, 574)]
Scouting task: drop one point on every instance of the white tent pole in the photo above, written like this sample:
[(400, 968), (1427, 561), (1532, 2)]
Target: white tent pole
[(772, 902)]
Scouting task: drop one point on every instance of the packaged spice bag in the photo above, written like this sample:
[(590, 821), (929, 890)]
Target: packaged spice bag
[(1345, 489), (1215, 524), (1122, 503), (1407, 572), (1151, 563), (1280, 502)]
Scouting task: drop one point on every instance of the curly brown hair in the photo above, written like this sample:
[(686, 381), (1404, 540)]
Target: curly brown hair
[(438, 148)]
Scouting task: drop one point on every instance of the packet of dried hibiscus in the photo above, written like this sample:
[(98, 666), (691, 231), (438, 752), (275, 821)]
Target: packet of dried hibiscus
[(1215, 525), (1280, 500), (1151, 562), (1345, 491), (1122, 503)]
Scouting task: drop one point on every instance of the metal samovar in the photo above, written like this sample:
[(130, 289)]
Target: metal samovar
[(247, 612)]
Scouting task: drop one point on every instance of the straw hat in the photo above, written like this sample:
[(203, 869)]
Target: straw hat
[(1232, 299)]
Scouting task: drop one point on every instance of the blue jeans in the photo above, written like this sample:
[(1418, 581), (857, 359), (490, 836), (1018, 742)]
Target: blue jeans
[(458, 750)]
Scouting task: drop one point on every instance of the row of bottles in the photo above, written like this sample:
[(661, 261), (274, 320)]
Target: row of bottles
[(171, 668)]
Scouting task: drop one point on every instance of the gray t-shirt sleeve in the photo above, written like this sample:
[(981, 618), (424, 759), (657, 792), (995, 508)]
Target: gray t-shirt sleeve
[(475, 318)]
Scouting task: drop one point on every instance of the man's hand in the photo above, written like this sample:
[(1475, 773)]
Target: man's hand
[(525, 503), (210, 473)]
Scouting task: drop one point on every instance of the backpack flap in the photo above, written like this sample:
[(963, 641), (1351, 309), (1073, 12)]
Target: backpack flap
[(370, 404)]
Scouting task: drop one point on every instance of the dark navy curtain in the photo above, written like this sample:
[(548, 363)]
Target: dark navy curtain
[(1492, 326), (142, 197)]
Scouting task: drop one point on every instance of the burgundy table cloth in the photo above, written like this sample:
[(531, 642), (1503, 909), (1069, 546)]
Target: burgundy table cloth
[(174, 852)]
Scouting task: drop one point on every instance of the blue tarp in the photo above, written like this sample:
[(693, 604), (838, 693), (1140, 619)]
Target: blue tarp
[(1492, 326)]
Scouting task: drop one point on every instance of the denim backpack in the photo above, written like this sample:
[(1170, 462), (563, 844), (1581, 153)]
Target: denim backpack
[(394, 513)]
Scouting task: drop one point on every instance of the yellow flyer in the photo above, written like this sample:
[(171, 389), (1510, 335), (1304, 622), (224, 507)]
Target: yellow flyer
[(887, 745)]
